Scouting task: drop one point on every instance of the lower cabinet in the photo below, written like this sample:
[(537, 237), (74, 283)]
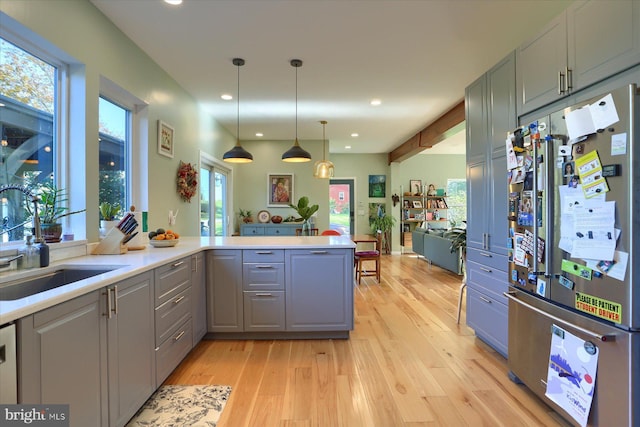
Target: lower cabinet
[(95, 353), (283, 290), (198, 297)]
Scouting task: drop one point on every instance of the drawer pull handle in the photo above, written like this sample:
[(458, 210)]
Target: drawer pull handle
[(488, 270), (264, 252), (264, 266), (487, 300), (318, 252), (264, 294), (485, 254), (177, 264), (178, 299), (180, 335)]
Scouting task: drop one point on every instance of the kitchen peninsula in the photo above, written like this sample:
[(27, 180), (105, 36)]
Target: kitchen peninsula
[(104, 344)]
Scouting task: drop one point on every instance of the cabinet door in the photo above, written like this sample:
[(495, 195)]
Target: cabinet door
[(198, 298), (224, 291), (501, 101), (541, 64), (63, 359), (476, 118), (264, 311), (319, 290), (131, 347), (477, 204), (489, 319), (614, 47), (497, 224)]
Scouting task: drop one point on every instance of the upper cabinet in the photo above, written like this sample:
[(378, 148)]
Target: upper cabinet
[(589, 42)]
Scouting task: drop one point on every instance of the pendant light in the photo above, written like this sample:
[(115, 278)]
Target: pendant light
[(238, 154), (296, 154), (323, 168)]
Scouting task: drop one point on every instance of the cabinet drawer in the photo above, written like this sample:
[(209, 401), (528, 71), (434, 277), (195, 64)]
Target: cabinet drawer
[(280, 231), (488, 258), (264, 275), (488, 280), (263, 255), (171, 314), (264, 311), (172, 351), (252, 231), (171, 279), (489, 318)]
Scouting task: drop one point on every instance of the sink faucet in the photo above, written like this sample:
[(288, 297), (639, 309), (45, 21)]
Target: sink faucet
[(34, 200)]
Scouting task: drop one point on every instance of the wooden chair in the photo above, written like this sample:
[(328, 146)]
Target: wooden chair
[(371, 256), (330, 233), (312, 232)]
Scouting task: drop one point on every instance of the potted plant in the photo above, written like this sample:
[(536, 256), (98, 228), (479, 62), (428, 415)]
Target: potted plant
[(305, 211), (108, 212), (246, 216), (50, 209), (385, 224), (458, 236)]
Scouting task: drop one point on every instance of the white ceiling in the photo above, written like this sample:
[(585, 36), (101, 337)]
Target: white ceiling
[(416, 56)]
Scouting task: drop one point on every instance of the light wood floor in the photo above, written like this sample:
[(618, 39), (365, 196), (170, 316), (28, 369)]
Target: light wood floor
[(407, 363)]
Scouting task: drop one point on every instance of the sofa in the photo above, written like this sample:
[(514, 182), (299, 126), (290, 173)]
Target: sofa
[(435, 248)]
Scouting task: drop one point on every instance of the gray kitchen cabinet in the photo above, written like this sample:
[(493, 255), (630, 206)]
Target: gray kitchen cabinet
[(173, 321), (491, 110), (198, 297), (263, 285), (94, 352), (224, 291), (569, 54), (319, 289)]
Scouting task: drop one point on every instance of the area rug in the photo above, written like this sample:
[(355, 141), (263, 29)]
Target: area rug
[(182, 405)]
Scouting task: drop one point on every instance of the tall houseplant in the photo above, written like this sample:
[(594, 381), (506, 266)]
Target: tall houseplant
[(51, 208), (384, 223), (305, 211), (458, 236)]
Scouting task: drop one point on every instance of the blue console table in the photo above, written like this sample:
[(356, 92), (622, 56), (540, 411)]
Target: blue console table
[(270, 229)]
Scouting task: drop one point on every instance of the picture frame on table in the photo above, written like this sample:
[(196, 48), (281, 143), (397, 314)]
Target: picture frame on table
[(279, 189), (415, 185), (166, 139)]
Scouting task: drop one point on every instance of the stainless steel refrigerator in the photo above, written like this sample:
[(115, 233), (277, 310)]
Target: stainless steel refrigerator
[(574, 215)]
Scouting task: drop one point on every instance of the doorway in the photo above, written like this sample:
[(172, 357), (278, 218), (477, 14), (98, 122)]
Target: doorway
[(341, 209), (214, 206)]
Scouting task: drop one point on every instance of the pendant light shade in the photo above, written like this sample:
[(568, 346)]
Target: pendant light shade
[(323, 168), (238, 154), (296, 154)]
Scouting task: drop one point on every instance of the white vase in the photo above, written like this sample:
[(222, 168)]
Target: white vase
[(106, 226)]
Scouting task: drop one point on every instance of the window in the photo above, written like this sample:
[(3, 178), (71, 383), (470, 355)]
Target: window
[(214, 195), (29, 125), (457, 201), (114, 142)]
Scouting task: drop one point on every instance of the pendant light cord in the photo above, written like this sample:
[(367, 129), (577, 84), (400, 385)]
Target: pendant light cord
[(296, 103), (238, 107)]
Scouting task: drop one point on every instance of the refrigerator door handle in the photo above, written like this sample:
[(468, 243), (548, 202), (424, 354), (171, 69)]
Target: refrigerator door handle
[(513, 296)]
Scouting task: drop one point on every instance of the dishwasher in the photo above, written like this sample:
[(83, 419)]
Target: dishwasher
[(8, 371)]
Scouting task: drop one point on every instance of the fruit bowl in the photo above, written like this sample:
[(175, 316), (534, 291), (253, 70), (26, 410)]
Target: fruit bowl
[(276, 219), (163, 243)]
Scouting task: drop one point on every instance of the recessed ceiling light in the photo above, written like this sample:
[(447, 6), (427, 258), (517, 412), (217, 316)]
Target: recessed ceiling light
[(226, 97), (173, 2), (355, 135), (259, 134), (1, 104), (347, 147), (376, 102)]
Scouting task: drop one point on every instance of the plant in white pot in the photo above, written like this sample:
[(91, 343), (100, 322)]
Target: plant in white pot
[(108, 212)]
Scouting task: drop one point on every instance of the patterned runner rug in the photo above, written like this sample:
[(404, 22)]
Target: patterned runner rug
[(180, 405)]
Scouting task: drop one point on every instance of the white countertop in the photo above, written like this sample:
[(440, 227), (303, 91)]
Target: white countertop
[(136, 262)]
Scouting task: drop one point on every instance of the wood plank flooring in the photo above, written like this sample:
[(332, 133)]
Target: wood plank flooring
[(407, 363)]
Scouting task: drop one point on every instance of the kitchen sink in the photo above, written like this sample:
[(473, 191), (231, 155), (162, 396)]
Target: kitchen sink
[(63, 276)]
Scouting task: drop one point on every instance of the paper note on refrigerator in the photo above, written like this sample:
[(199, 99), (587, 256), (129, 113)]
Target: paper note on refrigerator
[(579, 123), (590, 118), (595, 235), (616, 269), (589, 169), (571, 377)]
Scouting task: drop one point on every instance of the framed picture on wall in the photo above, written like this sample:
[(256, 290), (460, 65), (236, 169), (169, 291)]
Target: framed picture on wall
[(279, 189), (165, 139), (377, 185)]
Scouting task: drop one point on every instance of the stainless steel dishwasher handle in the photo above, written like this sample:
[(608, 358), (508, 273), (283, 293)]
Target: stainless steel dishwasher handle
[(512, 295)]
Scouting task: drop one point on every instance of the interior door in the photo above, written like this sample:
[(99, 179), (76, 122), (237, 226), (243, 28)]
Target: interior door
[(341, 209)]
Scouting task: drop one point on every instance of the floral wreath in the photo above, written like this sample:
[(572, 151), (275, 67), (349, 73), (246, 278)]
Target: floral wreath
[(187, 181)]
